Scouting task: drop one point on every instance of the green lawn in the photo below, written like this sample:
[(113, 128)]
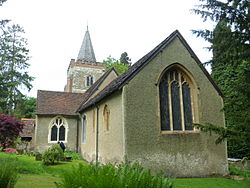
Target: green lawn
[(35, 175), (210, 183), (37, 181)]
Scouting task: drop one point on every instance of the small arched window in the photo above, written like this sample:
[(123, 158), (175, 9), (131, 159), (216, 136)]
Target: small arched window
[(84, 124), (106, 117), (57, 130), (176, 101), (89, 80)]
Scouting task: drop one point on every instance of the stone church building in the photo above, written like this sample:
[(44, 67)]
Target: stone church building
[(144, 114)]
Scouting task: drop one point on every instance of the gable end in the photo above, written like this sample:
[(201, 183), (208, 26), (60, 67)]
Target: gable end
[(123, 79)]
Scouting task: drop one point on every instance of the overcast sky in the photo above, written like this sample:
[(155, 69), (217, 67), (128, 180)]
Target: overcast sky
[(55, 30)]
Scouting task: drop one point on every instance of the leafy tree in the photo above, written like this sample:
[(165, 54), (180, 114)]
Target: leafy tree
[(25, 108), (112, 62), (230, 68), (2, 1), (13, 66), (124, 59), (9, 130)]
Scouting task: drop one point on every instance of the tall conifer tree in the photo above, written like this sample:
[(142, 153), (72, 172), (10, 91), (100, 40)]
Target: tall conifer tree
[(230, 44), (13, 65)]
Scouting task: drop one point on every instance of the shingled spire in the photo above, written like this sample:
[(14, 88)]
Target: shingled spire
[(86, 52)]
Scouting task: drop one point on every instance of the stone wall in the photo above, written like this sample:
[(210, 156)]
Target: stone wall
[(111, 141), (179, 154), (77, 75), (41, 140)]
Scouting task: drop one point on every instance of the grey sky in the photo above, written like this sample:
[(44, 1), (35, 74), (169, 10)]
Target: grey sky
[(55, 30)]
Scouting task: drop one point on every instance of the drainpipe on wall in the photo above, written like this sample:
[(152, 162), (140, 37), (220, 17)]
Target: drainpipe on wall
[(97, 132), (77, 136)]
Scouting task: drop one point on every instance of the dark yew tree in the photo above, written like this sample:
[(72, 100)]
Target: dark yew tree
[(124, 59), (230, 44), (9, 130)]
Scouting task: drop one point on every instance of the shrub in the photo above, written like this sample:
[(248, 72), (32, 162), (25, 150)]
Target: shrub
[(10, 150), (235, 171), (109, 176), (53, 155), (39, 157), (8, 172), (73, 154), (9, 130)]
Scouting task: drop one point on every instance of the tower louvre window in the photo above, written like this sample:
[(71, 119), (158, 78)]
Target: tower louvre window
[(175, 101), (89, 80)]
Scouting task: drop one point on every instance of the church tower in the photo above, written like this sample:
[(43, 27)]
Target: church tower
[(83, 71)]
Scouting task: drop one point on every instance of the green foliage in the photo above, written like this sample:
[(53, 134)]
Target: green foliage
[(13, 66), (112, 62), (235, 171), (73, 154), (28, 165), (231, 67), (8, 172), (223, 133), (121, 176), (25, 108), (124, 59), (2, 1), (9, 130), (234, 12), (53, 155)]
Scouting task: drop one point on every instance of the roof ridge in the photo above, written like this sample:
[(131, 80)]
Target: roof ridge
[(93, 88), (58, 103), (123, 79), (39, 90)]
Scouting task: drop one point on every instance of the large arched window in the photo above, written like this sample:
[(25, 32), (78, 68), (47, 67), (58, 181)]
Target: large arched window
[(176, 101), (58, 130)]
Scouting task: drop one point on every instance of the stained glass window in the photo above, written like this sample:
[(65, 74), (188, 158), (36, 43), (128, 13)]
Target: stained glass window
[(175, 101)]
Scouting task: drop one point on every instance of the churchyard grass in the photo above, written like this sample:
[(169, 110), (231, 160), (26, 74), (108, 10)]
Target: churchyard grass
[(8, 172), (210, 183), (37, 181), (32, 174)]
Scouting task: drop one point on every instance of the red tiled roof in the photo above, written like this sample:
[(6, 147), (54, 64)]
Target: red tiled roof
[(58, 103)]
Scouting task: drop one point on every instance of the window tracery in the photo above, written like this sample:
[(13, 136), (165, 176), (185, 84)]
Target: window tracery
[(57, 130), (176, 101)]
